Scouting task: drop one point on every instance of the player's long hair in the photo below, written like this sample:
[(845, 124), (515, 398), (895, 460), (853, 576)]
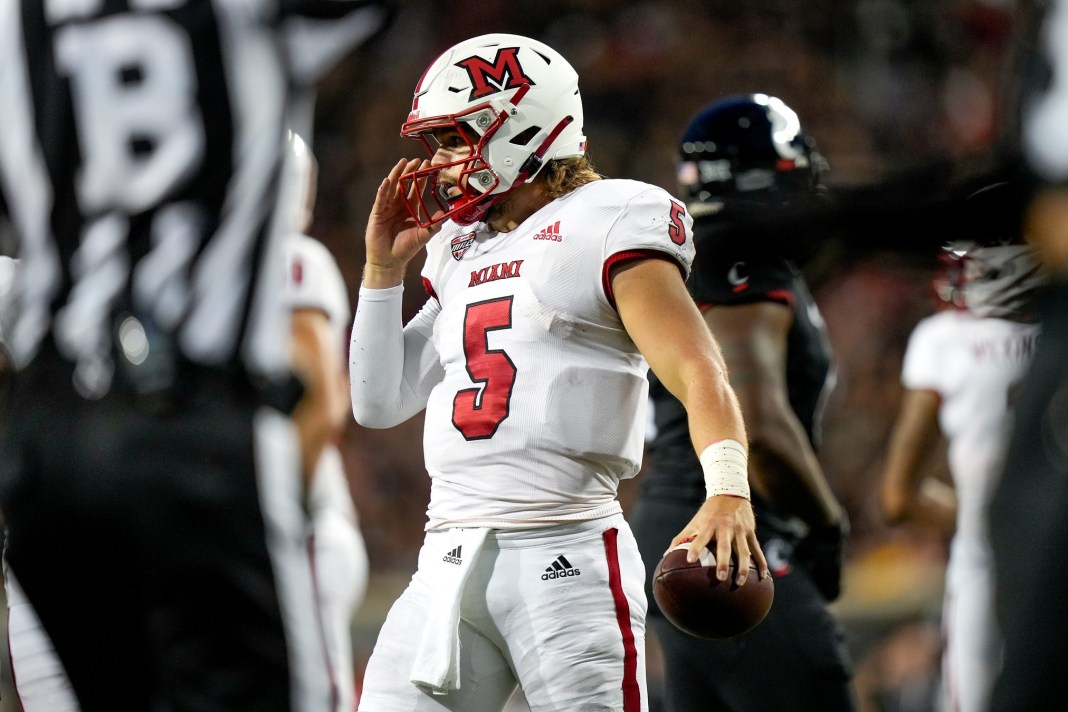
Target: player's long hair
[(559, 178), (563, 176)]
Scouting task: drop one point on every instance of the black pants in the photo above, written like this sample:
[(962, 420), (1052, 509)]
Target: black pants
[(794, 661), (140, 538)]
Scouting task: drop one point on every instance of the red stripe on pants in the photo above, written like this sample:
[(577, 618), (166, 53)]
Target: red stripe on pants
[(632, 694)]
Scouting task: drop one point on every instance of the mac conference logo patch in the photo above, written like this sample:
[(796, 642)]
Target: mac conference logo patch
[(460, 245)]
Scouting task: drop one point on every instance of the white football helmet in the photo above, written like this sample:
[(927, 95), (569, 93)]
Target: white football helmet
[(516, 102)]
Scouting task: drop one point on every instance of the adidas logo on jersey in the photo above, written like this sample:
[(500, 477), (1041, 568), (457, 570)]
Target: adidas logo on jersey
[(550, 233), (453, 557), (561, 568)]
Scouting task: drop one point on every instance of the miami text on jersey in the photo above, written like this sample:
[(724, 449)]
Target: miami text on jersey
[(502, 270)]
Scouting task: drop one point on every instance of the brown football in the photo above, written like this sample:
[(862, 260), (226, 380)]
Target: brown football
[(696, 602)]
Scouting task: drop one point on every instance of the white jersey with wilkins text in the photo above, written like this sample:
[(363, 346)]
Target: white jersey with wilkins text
[(518, 433), (973, 364)]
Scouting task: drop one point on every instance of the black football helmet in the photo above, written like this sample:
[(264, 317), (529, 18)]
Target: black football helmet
[(996, 272), (747, 150), (993, 215)]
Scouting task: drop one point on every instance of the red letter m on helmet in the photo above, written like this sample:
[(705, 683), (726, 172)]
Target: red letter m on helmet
[(504, 73)]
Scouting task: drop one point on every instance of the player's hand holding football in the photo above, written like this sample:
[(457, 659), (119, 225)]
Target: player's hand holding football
[(393, 237), (728, 522)]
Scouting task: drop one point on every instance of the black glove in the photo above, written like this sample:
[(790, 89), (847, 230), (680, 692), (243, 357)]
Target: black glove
[(822, 554)]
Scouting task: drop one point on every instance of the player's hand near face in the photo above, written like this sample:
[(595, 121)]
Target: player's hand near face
[(667, 328), (393, 237)]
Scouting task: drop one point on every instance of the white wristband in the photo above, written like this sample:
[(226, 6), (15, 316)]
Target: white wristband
[(725, 464)]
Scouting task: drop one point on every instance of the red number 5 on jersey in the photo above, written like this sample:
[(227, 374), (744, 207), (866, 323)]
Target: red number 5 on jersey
[(676, 229), (476, 412)]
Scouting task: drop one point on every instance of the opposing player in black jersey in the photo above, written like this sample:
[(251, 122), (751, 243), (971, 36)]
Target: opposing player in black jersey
[(150, 477), (741, 157)]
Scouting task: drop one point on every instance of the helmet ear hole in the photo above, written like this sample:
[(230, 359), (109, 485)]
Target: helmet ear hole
[(526, 136)]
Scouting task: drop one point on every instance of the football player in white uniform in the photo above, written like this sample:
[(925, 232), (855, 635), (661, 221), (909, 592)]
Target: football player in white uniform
[(315, 291), (547, 289), (960, 370)]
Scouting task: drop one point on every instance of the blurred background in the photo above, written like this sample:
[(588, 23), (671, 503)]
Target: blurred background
[(888, 89)]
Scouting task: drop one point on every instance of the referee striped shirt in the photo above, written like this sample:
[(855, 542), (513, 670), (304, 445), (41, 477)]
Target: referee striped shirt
[(140, 162)]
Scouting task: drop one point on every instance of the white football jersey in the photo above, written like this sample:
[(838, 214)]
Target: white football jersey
[(314, 281), (973, 364), (541, 410)]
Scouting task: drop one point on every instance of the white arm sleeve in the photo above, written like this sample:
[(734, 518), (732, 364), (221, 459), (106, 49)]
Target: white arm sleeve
[(391, 369)]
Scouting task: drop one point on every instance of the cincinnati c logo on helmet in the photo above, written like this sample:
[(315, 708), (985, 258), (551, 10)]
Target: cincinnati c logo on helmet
[(504, 73)]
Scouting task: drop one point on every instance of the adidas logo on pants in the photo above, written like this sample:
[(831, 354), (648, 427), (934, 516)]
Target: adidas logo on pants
[(561, 568)]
